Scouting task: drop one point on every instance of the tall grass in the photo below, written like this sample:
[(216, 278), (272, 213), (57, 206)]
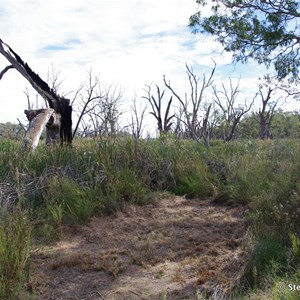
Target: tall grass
[(15, 237), (67, 202)]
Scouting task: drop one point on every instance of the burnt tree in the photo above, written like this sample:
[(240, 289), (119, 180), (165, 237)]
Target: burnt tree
[(61, 106)]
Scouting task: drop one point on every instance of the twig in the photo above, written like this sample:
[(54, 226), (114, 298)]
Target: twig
[(5, 70), (101, 296)]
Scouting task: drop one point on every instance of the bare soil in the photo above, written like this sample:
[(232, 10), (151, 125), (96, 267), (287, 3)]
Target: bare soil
[(171, 250)]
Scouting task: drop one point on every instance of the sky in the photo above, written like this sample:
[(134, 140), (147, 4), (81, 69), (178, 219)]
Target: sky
[(130, 43)]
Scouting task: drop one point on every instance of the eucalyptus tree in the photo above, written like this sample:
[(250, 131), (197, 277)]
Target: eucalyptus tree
[(264, 30)]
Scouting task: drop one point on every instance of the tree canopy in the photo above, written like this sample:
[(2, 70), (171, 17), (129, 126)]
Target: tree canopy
[(264, 30)]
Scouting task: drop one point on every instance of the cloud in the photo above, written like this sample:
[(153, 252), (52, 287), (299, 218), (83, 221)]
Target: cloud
[(66, 45)]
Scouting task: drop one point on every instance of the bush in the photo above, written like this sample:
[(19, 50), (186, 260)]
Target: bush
[(274, 217), (67, 202), (192, 177), (122, 187), (266, 261)]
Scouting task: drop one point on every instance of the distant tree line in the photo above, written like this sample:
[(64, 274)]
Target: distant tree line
[(11, 131), (207, 110), (204, 111), (285, 124)]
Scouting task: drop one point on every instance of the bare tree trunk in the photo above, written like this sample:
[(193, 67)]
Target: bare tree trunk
[(206, 132), (53, 129), (266, 116)]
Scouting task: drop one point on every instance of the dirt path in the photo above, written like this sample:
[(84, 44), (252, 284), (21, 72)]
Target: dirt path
[(166, 251)]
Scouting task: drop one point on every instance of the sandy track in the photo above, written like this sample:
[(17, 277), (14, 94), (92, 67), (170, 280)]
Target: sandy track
[(166, 251)]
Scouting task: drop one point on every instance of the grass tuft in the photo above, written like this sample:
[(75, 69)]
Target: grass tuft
[(15, 237)]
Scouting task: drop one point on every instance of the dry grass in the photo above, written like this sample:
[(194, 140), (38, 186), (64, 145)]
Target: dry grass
[(72, 260), (170, 251)]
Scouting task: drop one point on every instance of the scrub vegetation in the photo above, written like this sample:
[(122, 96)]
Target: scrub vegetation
[(45, 191)]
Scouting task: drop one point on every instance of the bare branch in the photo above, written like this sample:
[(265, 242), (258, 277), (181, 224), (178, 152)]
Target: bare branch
[(156, 105), (90, 86), (196, 96), (231, 112), (5, 70)]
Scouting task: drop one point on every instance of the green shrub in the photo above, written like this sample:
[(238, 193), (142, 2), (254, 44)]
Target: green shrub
[(267, 261), (274, 217), (67, 202), (9, 158), (249, 176), (282, 289), (123, 186), (192, 177)]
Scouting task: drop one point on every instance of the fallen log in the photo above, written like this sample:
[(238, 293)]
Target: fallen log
[(53, 129), (38, 120)]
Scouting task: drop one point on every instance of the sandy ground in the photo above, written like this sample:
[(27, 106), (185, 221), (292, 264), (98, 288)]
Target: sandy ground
[(175, 249)]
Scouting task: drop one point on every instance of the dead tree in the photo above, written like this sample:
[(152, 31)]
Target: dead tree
[(53, 79), (109, 110), (61, 106), (106, 113), (265, 116), (137, 119), (179, 125), (98, 107), (89, 94), (193, 101), (231, 113), (206, 128), (163, 123)]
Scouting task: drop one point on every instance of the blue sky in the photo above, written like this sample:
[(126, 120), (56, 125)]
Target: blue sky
[(129, 42)]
